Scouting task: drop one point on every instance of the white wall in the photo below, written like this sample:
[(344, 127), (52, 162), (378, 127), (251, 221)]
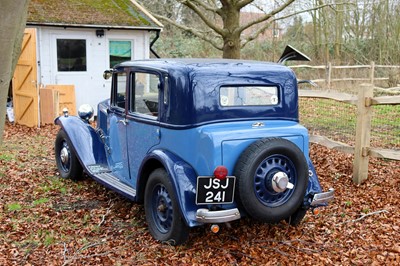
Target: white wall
[(90, 87)]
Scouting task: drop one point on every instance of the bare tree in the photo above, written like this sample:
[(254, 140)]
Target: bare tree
[(223, 28), (13, 16)]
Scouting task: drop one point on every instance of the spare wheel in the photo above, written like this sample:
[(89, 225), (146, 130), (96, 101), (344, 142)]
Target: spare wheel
[(272, 178)]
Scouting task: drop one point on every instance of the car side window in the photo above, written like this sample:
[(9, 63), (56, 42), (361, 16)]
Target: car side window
[(119, 90), (146, 87)]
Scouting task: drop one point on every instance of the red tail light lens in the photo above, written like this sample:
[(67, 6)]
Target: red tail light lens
[(221, 172)]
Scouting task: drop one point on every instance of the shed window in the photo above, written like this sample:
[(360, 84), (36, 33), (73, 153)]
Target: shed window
[(71, 55), (120, 51)]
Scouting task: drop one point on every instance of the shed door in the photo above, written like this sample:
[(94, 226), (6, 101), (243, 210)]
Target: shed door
[(25, 90)]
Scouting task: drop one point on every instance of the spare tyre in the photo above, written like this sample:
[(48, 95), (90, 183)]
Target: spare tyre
[(272, 178)]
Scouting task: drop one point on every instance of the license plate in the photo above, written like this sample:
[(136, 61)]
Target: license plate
[(211, 190)]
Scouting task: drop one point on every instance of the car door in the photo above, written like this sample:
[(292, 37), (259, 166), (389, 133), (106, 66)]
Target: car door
[(117, 127), (143, 117)]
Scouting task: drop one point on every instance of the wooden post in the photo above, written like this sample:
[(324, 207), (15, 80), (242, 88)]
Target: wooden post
[(363, 132), (329, 76), (372, 73)]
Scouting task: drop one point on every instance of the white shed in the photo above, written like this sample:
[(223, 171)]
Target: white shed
[(72, 43)]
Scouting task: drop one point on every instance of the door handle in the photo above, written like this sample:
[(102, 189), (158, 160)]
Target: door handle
[(123, 121)]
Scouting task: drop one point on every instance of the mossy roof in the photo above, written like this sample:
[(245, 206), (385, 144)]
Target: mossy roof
[(113, 13)]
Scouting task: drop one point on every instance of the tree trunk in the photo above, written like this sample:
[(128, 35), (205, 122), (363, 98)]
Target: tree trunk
[(231, 48), (13, 16), (231, 37)]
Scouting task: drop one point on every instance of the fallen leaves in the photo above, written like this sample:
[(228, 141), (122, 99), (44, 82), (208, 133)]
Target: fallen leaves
[(48, 220)]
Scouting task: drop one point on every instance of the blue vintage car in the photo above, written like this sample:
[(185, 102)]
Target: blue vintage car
[(197, 142)]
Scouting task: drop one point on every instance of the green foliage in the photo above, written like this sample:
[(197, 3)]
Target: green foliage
[(14, 207), (6, 157), (40, 201)]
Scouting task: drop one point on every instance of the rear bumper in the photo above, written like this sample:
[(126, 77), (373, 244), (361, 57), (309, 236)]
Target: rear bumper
[(221, 216), (322, 198)]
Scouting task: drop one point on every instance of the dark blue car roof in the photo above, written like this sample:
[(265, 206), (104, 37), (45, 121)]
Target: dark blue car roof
[(194, 89)]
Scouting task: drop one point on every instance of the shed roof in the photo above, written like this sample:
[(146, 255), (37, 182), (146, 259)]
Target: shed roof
[(91, 13)]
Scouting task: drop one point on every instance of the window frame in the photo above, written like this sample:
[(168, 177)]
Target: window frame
[(113, 100), (132, 89), (119, 40), (278, 95), (71, 38)]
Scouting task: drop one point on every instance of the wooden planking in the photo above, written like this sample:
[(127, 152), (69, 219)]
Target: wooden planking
[(386, 100), (337, 96), (348, 98), (66, 98), (386, 154), (25, 91), (49, 105), (331, 144)]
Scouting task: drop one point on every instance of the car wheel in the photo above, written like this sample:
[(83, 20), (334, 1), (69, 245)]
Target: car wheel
[(272, 178), (162, 211), (296, 218), (67, 163)]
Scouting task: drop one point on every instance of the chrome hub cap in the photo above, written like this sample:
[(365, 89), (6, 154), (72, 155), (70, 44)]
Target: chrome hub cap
[(64, 155), (280, 182)]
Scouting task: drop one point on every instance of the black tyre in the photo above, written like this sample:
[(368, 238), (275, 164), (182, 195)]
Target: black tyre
[(272, 178), (162, 211), (296, 218), (67, 163)]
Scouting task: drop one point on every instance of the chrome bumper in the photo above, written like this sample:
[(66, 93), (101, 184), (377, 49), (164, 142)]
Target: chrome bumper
[(323, 198), (221, 216)]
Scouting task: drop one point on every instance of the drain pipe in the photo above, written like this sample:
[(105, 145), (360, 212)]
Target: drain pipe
[(152, 43)]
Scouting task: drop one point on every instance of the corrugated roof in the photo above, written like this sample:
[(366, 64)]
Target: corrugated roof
[(114, 13)]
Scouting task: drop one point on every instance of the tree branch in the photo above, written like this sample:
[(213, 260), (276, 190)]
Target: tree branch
[(193, 31), (263, 28), (369, 214), (310, 9), (243, 3), (202, 16), (202, 4), (255, 34), (265, 17)]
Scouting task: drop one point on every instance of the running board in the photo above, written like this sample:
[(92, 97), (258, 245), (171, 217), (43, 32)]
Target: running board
[(107, 179)]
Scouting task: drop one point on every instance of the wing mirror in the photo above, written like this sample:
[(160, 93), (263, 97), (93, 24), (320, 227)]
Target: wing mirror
[(107, 74)]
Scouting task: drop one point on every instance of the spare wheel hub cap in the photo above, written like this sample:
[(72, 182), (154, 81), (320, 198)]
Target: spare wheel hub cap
[(280, 182)]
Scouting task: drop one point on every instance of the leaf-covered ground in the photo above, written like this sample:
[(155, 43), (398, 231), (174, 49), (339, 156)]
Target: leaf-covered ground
[(46, 220)]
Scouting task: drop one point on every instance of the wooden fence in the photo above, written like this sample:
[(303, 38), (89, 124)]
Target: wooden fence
[(330, 79), (362, 150)]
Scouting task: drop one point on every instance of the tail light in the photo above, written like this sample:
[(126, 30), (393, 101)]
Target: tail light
[(221, 172)]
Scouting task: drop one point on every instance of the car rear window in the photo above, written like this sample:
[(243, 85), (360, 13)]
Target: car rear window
[(248, 96)]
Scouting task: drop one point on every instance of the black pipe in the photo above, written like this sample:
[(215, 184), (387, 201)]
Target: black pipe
[(152, 43)]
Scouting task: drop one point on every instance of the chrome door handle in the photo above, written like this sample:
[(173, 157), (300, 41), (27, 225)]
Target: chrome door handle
[(123, 121)]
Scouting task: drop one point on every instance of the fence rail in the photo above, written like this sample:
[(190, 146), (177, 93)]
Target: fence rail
[(362, 150), (329, 67)]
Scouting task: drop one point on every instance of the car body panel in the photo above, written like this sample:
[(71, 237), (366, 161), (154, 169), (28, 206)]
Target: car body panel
[(193, 132), (86, 142)]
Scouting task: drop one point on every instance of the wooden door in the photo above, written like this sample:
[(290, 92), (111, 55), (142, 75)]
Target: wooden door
[(25, 89)]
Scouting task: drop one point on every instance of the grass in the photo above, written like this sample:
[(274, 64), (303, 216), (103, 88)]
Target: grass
[(338, 121), (14, 207)]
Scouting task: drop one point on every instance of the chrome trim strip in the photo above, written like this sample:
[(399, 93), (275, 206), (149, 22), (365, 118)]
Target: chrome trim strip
[(322, 198), (221, 216)]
